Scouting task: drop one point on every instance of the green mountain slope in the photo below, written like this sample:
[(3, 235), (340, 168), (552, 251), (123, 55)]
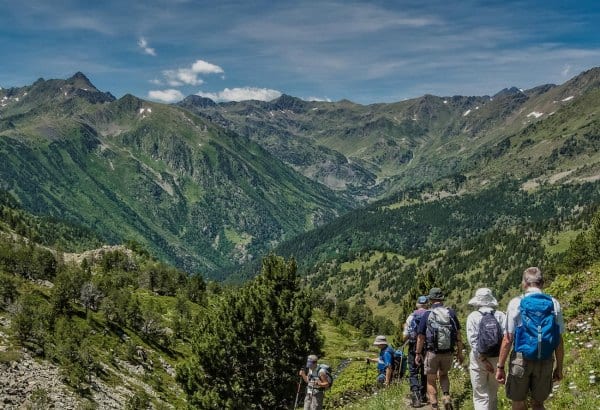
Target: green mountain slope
[(199, 196), (384, 256), (370, 151)]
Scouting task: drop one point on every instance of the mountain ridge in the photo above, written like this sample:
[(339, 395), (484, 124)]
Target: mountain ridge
[(200, 196), (392, 142)]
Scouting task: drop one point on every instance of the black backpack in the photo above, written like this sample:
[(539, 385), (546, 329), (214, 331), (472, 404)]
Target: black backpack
[(489, 336)]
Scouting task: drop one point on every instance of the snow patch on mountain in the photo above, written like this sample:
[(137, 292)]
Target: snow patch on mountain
[(535, 114), (143, 112)]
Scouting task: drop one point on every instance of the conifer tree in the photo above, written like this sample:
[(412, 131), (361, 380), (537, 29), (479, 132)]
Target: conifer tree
[(248, 350)]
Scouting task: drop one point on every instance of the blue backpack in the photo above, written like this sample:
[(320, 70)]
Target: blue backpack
[(538, 335), (399, 364)]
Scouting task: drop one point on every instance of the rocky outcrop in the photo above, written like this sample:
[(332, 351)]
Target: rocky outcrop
[(31, 383)]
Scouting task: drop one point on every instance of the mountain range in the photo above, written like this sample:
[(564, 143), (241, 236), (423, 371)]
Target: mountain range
[(209, 186), (371, 151), (197, 195)]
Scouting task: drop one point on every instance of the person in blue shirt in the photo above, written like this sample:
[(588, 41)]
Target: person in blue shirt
[(385, 362)]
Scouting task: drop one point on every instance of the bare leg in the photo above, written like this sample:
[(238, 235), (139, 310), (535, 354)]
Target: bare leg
[(537, 405), (519, 405), (444, 382), (432, 388)]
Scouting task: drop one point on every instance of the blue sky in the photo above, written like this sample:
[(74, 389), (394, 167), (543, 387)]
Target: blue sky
[(375, 51)]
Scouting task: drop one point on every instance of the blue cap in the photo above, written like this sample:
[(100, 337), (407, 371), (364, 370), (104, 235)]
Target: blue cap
[(422, 300)]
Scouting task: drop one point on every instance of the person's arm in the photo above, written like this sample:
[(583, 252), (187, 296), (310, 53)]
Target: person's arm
[(322, 382), (388, 375), (504, 351), (406, 326), (459, 348), (459, 343), (304, 376), (559, 353), (419, 349)]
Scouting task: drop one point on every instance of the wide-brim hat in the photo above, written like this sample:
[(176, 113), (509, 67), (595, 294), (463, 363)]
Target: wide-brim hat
[(483, 298), (380, 340), (436, 294)]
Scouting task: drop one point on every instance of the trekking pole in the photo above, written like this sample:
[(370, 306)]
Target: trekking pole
[(297, 393), (366, 367)]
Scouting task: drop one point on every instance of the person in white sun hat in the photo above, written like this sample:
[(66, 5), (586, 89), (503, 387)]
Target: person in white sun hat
[(485, 330)]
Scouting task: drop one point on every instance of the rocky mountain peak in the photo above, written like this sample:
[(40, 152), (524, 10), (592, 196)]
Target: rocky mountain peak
[(512, 91), (81, 81), (287, 102), (196, 101)]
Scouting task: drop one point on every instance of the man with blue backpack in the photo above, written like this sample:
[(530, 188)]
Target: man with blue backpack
[(534, 329), (385, 362), (417, 379)]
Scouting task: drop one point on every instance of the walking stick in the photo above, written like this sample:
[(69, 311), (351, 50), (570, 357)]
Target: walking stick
[(297, 393), (366, 367)]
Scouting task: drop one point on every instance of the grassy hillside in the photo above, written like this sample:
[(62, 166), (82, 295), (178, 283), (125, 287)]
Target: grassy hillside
[(578, 294), (386, 254), (431, 143), (576, 284), (198, 196)]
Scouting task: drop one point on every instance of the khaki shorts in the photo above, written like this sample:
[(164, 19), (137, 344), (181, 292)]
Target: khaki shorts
[(437, 362), (527, 376)]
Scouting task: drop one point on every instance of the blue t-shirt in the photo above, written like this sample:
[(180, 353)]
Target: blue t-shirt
[(385, 359)]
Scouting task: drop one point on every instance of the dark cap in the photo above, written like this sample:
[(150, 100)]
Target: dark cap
[(436, 294)]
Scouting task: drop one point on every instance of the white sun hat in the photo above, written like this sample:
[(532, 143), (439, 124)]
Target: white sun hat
[(483, 298)]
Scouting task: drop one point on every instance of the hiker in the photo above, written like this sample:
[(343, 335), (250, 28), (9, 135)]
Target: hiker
[(485, 331), (316, 381), (417, 379), (534, 329), (385, 362), (438, 335)]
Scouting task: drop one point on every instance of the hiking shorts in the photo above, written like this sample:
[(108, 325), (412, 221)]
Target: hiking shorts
[(438, 362), (527, 376)]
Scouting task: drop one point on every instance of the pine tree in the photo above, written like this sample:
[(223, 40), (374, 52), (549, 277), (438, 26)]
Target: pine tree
[(248, 350)]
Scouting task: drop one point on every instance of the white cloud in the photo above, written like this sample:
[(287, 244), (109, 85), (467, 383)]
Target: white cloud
[(181, 76), (318, 99), (189, 76), (204, 67), (242, 94), (167, 96), (143, 44)]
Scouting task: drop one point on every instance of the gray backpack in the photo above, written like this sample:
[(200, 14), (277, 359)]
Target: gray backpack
[(441, 330)]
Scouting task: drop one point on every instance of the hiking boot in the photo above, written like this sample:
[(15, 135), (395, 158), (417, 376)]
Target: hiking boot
[(424, 398), (447, 402), (415, 399)]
